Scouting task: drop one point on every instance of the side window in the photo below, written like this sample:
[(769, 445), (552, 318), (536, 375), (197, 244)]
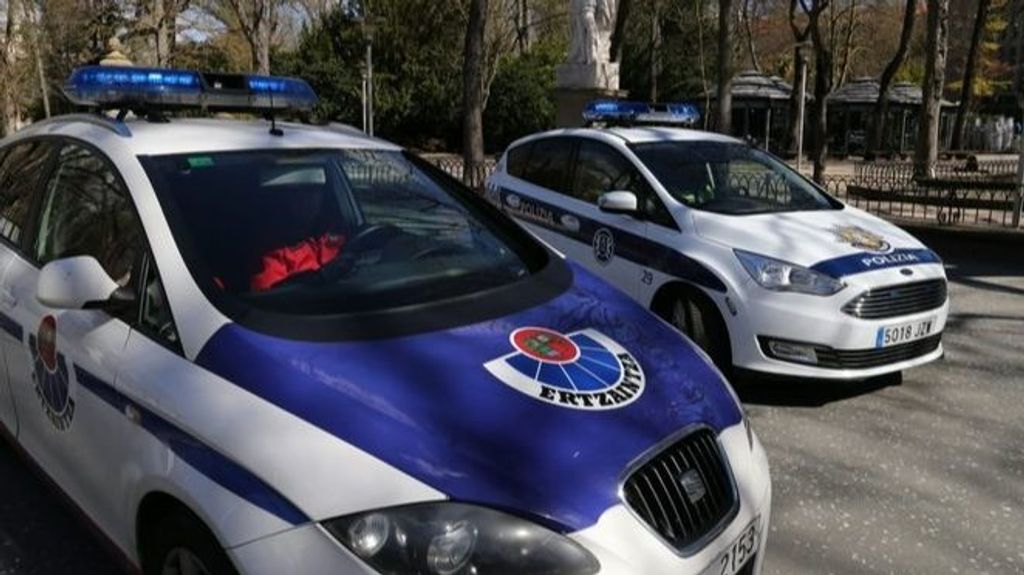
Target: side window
[(549, 163), (154, 311), (87, 211), (20, 171), (516, 160), (600, 169), (655, 210)]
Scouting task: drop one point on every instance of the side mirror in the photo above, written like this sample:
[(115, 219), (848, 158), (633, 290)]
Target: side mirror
[(618, 203), (79, 283)]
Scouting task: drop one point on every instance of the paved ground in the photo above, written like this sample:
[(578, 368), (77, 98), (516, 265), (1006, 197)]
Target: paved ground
[(923, 475)]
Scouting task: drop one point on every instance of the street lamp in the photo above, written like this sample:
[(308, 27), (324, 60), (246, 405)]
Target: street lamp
[(368, 30), (801, 105)]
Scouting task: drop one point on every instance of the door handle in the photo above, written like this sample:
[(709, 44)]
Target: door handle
[(7, 298)]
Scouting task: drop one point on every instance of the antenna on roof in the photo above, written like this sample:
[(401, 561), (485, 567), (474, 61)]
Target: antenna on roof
[(274, 130)]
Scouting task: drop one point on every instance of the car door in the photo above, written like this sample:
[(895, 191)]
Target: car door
[(21, 168), (69, 358)]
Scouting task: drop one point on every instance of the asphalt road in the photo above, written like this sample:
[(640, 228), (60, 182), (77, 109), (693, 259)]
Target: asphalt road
[(923, 474)]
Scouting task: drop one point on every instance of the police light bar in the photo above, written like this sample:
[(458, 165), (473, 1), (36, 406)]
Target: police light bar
[(116, 87), (631, 113)]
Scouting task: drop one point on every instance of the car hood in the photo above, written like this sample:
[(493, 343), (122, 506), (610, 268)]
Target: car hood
[(455, 408), (837, 242)]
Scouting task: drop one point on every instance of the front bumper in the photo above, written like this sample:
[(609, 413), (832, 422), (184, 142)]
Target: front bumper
[(621, 543), (848, 343)]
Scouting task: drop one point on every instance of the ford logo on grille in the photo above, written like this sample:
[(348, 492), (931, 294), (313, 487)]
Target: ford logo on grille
[(693, 485), (907, 271)]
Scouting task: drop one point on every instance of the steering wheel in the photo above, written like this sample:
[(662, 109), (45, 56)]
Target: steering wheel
[(366, 238), (438, 250), (371, 236)]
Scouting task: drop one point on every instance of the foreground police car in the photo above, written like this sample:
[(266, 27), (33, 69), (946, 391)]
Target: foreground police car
[(759, 266), (302, 350)]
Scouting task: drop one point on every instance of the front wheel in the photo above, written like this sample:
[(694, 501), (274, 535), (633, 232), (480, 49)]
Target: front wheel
[(181, 545), (704, 327)]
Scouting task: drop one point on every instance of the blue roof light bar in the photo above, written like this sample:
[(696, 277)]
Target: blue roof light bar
[(621, 112), (128, 87)]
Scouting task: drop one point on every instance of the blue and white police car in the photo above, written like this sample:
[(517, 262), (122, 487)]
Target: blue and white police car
[(266, 348), (759, 266)]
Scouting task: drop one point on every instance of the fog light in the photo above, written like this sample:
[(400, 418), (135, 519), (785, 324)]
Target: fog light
[(450, 551), (793, 351), (368, 534)]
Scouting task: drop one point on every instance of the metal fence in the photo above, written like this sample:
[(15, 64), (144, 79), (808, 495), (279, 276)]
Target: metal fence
[(985, 193)]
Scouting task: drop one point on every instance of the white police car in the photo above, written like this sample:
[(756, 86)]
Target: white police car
[(303, 350), (758, 265)]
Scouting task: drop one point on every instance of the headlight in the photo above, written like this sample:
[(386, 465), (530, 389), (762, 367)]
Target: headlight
[(458, 539), (783, 276)]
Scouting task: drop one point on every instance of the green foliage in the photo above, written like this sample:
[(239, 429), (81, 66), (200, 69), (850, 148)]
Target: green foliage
[(521, 100), (417, 76)]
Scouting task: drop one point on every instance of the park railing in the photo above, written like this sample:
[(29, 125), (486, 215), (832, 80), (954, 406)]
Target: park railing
[(985, 193)]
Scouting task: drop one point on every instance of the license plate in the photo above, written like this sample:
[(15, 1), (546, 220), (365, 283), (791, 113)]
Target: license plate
[(741, 551), (904, 332)]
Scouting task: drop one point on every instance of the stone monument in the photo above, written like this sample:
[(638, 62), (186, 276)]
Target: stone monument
[(588, 72)]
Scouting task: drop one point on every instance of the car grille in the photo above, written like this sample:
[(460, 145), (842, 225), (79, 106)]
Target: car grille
[(684, 493), (865, 358), (898, 300)]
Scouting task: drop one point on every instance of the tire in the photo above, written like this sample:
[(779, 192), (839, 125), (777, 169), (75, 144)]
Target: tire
[(179, 544), (704, 327)]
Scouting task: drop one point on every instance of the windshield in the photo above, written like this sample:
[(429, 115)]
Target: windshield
[(332, 232), (730, 178)]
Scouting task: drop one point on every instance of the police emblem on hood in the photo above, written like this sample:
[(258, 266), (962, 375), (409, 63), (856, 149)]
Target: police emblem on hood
[(584, 370), (860, 238)]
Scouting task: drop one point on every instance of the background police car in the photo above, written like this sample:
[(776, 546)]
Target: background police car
[(683, 263)]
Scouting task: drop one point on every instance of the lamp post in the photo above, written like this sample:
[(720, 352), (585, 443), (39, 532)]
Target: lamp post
[(368, 30), (800, 106)]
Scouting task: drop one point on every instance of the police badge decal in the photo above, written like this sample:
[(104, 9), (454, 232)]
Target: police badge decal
[(582, 370), (860, 238), (50, 371)]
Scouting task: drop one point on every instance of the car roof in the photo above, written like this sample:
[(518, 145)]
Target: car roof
[(634, 135), (185, 135)]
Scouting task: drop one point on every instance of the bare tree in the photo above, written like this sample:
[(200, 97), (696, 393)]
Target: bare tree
[(257, 20), (8, 62), (618, 33), (926, 152), (823, 72), (723, 111), (473, 93), (749, 33), (876, 126), (970, 70)]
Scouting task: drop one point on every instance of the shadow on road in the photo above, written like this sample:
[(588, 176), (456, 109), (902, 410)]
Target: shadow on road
[(758, 390)]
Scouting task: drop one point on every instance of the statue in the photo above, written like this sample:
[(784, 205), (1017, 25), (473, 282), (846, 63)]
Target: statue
[(588, 64), (592, 23), (115, 54)]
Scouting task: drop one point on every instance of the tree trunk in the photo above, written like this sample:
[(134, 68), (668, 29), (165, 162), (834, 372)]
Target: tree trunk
[(823, 70), (970, 68), (876, 129), (9, 95), (723, 112), (926, 152), (655, 53), (799, 69), (473, 94), (751, 48), (621, 17)]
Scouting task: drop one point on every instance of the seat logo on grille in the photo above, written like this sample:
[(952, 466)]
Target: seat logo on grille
[(582, 370), (693, 485)]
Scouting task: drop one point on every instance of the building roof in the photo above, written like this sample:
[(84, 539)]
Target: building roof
[(753, 85), (865, 91)]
